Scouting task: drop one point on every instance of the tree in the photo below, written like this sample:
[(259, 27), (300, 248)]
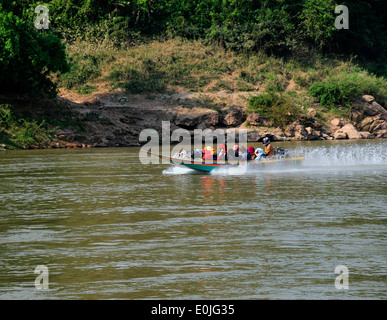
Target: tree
[(317, 22), (28, 56)]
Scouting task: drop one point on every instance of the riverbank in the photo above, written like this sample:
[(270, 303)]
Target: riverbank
[(110, 95), (116, 119)]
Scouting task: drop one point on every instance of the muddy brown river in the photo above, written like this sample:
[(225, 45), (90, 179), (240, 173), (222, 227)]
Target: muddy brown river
[(104, 226)]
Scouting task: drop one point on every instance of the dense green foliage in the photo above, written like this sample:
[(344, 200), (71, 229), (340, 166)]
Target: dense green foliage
[(27, 57), (276, 26)]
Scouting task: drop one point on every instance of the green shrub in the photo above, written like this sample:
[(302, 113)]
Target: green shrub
[(277, 108), (6, 116), (262, 103), (344, 89), (21, 133), (327, 93)]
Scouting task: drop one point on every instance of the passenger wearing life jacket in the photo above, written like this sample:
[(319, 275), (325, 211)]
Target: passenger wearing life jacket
[(236, 150), (234, 153), (251, 151), (208, 153), (243, 153), (259, 153), (247, 154), (269, 150), (222, 153), (197, 153)]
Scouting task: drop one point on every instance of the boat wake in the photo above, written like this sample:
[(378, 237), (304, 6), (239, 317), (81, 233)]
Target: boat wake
[(178, 170)]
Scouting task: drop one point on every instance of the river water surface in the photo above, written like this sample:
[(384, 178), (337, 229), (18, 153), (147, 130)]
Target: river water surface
[(108, 227)]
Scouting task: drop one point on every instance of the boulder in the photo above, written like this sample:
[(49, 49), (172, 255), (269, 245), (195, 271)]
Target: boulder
[(211, 119), (380, 125), (357, 114), (366, 135), (197, 120), (313, 134), (275, 135), (351, 131), (376, 126), (311, 112), (381, 134), (368, 98), (339, 134), (326, 137), (254, 119), (369, 123), (278, 135), (374, 109), (187, 121), (337, 122), (309, 121), (325, 134), (253, 136), (110, 135), (235, 116), (367, 107), (296, 130), (300, 133)]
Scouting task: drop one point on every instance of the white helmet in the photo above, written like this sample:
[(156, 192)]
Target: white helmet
[(259, 151)]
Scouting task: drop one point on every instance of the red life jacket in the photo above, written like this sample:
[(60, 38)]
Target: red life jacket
[(207, 155)]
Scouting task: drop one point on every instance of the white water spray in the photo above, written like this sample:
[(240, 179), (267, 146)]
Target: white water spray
[(344, 155)]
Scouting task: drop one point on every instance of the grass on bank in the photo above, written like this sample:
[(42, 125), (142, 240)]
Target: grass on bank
[(191, 66)]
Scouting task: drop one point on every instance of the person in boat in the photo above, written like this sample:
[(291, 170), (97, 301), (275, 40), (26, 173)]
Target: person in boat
[(181, 154), (197, 153), (208, 153), (214, 154), (236, 150), (259, 153), (250, 153), (234, 153), (222, 153), (269, 150), (247, 154), (243, 153)]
